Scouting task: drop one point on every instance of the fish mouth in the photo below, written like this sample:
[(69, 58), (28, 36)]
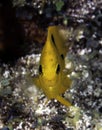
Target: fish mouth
[(50, 82)]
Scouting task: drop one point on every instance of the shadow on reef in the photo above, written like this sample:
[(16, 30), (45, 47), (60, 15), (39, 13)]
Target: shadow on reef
[(11, 33)]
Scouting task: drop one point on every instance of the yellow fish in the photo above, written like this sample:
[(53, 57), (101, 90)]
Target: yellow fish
[(52, 79)]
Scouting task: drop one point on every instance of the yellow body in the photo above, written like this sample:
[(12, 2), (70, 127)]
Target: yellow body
[(52, 79), (59, 41)]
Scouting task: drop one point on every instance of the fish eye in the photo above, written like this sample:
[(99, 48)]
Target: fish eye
[(62, 56), (52, 38), (58, 69), (40, 69)]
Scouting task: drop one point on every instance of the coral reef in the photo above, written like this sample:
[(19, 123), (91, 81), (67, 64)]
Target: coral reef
[(22, 105)]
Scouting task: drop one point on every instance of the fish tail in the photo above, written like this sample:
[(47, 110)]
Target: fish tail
[(63, 101)]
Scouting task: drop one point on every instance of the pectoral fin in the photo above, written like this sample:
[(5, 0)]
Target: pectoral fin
[(36, 81), (68, 82)]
